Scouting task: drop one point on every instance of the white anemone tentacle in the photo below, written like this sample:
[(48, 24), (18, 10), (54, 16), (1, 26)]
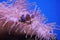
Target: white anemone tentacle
[(26, 36), (5, 23), (1, 21), (19, 26), (24, 28), (16, 29), (32, 33), (30, 28), (16, 26), (11, 27), (2, 18), (28, 31)]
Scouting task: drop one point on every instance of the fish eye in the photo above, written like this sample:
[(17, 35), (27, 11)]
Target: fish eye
[(23, 19), (28, 17)]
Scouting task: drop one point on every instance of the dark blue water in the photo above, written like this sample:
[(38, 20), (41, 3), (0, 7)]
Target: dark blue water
[(51, 9)]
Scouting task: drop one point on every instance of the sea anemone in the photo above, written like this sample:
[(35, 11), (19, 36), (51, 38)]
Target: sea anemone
[(18, 18)]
